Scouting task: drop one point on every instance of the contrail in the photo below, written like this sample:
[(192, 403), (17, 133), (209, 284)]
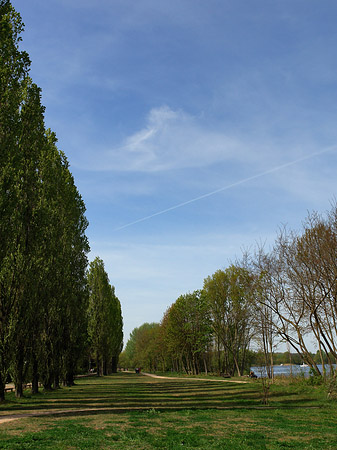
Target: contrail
[(229, 186)]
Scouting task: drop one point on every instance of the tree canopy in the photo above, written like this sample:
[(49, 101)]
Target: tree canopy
[(44, 295)]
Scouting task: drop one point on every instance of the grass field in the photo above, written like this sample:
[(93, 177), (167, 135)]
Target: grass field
[(129, 411)]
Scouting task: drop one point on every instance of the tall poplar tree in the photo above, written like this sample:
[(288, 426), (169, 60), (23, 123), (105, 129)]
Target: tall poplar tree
[(14, 67), (64, 292), (26, 216), (104, 319)]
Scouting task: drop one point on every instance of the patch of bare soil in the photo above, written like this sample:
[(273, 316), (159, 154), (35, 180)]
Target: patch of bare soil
[(8, 419)]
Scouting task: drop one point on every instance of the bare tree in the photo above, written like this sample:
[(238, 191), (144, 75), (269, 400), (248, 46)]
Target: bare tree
[(287, 314), (312, 271), (298, 288)]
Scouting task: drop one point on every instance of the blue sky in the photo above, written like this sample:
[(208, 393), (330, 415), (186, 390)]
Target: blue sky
[(158, 103)]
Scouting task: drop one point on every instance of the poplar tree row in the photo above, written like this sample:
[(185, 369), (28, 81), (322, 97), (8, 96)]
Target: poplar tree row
[(44, 295)]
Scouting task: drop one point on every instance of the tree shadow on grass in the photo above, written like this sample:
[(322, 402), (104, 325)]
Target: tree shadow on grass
[(148, 410), (138, 394)]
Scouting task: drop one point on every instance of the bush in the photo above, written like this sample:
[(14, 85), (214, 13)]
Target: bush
[(314, 378), (332, 388)]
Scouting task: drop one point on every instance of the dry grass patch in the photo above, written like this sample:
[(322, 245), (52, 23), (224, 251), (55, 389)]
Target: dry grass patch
[(26, 425)]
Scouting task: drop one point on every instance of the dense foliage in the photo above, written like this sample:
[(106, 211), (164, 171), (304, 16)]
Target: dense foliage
[(43, 247), (104, 319)]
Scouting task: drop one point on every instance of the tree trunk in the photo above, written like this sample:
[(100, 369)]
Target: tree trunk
[(322, 359), (56, 381), (272, 364), (270, 342), (205, 365), (114, 363), (183, 366), (290, 362), (69, 381), (35, 377), (99, 368), (2, 389), (18, 380), (219, 357), (105, 370), (19, 390), (237, 366), (47, 383)]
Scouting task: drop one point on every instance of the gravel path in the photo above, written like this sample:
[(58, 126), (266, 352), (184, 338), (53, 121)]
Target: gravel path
[(193, 379)]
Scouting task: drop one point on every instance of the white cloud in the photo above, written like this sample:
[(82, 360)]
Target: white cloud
[(169, 140)]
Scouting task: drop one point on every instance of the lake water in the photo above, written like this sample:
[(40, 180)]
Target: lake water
[(287, 370)]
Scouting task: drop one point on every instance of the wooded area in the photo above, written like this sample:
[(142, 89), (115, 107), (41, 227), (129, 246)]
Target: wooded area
[(46, 300), (287, 295)]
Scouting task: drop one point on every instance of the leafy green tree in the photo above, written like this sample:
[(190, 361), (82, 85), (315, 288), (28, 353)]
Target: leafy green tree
[(29, 151), (62, 289), (144, 348), (230, 295), (117, 336), (18, 193), (129, 352), (104, 319), (188, 331)]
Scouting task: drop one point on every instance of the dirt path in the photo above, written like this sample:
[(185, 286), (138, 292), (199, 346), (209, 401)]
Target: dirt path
[(193, 379)]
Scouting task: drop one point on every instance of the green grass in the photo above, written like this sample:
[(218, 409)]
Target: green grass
[(127, 411)]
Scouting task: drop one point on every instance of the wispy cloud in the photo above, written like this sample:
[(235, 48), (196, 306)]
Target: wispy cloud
[(169, 140)]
